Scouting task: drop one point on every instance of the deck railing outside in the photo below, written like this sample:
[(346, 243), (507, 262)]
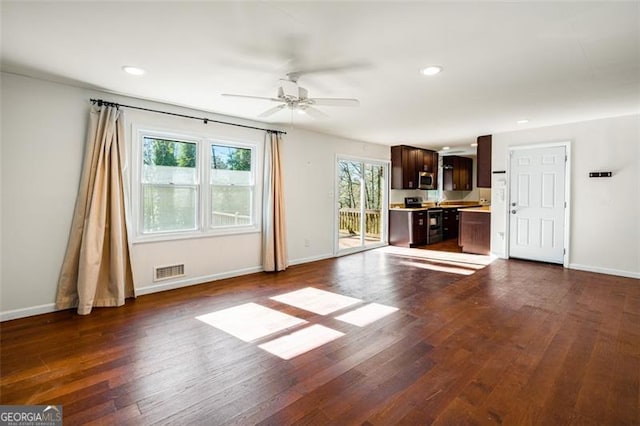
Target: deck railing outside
[(349, 222), (229, 219)]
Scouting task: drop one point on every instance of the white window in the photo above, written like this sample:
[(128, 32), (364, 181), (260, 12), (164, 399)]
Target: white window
[(170, 189), (231, 185), (193, 187)]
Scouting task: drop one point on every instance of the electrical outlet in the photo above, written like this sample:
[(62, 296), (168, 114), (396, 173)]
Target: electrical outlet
[(307, 242)]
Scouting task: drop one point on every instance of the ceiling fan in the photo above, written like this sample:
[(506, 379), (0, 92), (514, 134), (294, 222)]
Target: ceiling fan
[(294, 97)]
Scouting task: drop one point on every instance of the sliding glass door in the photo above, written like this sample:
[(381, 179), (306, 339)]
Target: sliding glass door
[(362, 205)]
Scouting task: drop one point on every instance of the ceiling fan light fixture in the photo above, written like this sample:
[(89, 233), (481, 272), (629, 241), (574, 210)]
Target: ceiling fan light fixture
[(431, 70), (133, 70)]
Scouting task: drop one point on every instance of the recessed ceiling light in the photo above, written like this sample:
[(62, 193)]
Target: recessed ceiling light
[(474, 144), (444, 148), (431, 70), (133, 70), (523, 121)]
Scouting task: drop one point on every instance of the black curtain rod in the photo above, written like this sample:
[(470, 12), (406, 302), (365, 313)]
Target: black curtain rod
[(205, 120)]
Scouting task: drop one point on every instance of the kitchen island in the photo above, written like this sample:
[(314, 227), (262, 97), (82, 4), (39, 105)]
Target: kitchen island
[(475, 230)]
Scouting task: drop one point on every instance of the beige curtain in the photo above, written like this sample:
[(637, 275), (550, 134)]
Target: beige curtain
[(97, 270), (274, 239)]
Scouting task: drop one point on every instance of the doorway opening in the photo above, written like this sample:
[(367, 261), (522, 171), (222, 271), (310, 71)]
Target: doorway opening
[(362, 204)]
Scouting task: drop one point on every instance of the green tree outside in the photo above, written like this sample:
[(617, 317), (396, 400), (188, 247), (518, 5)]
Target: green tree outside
[(162, 152)]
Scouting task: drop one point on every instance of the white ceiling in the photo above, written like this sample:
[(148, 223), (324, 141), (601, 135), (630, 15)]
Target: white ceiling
[(548, 62)]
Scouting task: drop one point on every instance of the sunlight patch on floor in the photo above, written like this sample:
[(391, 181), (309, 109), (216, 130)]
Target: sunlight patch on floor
[(250, 321), (301, 341), (477, 259), (438, 268), (367, 314), (441, 261), (317, 301)]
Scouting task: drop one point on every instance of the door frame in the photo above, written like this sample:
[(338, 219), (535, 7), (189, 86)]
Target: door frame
[(384, 226), (567, 194)]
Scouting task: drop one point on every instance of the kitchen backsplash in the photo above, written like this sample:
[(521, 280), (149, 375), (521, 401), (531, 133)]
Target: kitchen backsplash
[(398, 195), (478, 194)]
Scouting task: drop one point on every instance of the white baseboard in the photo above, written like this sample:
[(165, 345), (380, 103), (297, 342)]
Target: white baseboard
[(27, 312), (51, 307), (293, 262), (193, 281), (608, 271)]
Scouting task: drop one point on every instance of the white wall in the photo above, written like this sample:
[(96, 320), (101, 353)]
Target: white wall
[(309, 161), (206, 258), (43, 136), (605, 212), (1, 197), (43, 130)]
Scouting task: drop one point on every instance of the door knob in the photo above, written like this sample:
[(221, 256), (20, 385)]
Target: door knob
[(513, 204), (513, 211)]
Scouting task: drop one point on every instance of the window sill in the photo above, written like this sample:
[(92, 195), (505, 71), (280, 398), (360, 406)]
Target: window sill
[(223, 232)]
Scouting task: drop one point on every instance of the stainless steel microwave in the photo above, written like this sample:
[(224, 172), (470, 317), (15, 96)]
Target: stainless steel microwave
[(426, 180)]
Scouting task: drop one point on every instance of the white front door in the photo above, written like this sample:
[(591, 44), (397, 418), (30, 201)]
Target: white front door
[(537, 203)]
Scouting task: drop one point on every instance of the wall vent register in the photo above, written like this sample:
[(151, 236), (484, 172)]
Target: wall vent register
[(166, 272)]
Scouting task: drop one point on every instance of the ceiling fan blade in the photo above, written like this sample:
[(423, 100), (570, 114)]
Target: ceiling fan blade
[(252, 97), (315, 113), (272, 111), (294, 75), (335, 102)]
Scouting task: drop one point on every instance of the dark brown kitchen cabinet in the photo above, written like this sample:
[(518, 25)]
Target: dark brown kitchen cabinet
[(420, 227), (430, 164), (483, 162), (403, 168), (407, 162), (457, 173), (408, 228), (475, 232), (450, 223)]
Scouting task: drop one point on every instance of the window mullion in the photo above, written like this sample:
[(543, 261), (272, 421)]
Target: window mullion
[(204, 184)]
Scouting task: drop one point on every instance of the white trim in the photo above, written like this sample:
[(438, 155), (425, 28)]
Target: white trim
[(352, 250), (51, 307), (567, 194), (293, 262), (194, 281), (195, 235), (607, 271), (28, 312)]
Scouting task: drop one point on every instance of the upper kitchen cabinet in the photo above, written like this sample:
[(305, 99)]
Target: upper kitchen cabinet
[(483, 162), (407, 162), (457, 173)]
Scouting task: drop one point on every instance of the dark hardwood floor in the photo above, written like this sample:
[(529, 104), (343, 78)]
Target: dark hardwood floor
[(515, 343), (450, 245)]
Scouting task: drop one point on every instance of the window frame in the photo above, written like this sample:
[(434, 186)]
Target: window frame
[(202, 184), (208, 212)]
